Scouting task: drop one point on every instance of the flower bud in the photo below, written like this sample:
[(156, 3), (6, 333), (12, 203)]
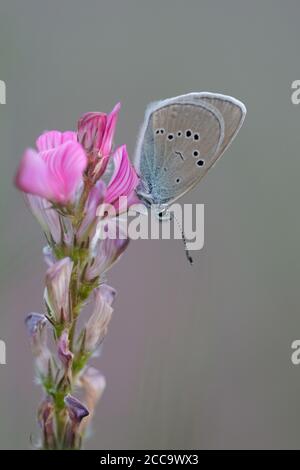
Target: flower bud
[(47, 217), (96, 131), (107, 252), (48, 255), (57, 299), (91, 128), (93, 384), (77, 412), (96, 327), (37, 328), (65, 355), (46, 421)]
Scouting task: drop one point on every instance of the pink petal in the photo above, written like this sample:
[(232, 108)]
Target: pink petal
[(107, 252), (77, 410), (91, 128), (52, 139), (65, 165), (124, 179), (32, 175), (53, 174), (109, 133), (64, 353)]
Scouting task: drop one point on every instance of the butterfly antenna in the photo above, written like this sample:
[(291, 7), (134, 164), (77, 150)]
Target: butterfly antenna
[(189, 258)]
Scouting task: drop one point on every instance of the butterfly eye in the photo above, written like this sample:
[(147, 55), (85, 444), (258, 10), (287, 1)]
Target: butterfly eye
[(170, 136), (179, 134), (196, 136), (196, 153), (162, 131), (157, 131), (177, 180), (200, 162), (188, 133)]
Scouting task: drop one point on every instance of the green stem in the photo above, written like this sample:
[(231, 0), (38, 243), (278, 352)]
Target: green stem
[(61, 423), (72, 334)]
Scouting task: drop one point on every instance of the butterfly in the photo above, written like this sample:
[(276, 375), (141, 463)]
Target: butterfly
[(180, 140)]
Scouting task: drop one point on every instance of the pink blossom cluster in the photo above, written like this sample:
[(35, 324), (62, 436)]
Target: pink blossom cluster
[(65, 180)]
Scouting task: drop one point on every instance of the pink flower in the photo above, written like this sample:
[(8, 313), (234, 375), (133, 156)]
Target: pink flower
[(96, 131), (122, 185), (123, 181), (119, 195), (55, 171), (107, 252)]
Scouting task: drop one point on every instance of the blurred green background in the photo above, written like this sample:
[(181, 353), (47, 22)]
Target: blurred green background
[(196, 357)]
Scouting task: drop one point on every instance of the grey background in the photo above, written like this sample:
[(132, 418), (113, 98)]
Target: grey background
[(195, 357)]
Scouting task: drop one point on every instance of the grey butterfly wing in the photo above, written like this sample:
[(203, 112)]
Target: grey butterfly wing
[(180, 140), (175, 137), (232, 110)]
